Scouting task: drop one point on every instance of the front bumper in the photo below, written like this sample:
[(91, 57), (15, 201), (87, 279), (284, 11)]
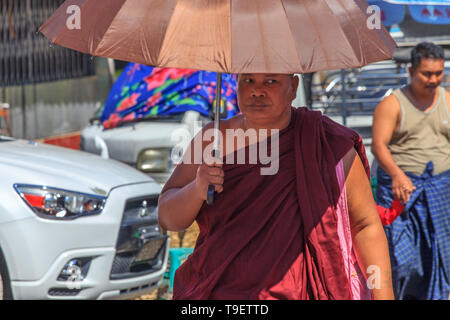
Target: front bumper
[(97, 283), (37, 250)]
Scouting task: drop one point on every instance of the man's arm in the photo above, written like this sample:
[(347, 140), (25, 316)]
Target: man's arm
[(368, 235), (386, 120), (185, 191), (447, 94)]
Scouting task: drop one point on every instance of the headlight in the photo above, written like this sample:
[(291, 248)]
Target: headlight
[(55, 203), (154, 160)]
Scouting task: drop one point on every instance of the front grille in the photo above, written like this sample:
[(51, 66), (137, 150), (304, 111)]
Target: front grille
[(141, 245), (63, 292)]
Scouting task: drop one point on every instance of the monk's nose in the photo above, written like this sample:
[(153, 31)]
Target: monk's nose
[(258, 93)]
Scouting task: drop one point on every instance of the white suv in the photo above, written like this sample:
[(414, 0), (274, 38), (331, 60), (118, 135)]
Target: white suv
[(76, 226)]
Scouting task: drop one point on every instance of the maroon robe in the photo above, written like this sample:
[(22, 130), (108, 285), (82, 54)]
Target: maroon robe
[(275, 236)]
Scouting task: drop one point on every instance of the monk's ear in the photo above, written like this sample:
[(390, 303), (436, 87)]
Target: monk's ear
[(294, 84), (295, 81)]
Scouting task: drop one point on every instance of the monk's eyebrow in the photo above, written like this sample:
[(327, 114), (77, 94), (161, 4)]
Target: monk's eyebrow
[(270, 75), (273, 75)]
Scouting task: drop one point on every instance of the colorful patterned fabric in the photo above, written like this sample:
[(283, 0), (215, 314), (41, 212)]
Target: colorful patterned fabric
[(143, 92), (419, 240)]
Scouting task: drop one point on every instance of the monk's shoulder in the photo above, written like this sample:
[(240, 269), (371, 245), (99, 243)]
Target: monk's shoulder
[(335, 128), (231, 123), (235, 122)]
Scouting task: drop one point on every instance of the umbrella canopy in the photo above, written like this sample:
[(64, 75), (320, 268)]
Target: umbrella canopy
[(422, 2), (230, 36), (142, 92)]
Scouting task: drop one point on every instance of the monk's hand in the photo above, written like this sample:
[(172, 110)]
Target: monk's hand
[(402, 187), (209, 174)]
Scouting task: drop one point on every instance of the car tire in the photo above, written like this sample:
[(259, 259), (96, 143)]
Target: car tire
[(5, 282)]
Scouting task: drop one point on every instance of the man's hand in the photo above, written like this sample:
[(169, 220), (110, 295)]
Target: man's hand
[(402, 187), (206, 175)]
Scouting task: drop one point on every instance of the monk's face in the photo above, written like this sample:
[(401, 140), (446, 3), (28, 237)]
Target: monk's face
[(265, 97)]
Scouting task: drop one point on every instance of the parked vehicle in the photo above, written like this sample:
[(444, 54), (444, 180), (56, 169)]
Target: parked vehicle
[(146, 107), (145, 144), (76, 226)]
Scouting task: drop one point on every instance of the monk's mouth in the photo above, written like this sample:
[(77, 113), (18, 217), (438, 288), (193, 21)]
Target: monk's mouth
[(257, 106)]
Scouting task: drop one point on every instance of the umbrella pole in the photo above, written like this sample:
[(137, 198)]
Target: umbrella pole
[(216, 153)]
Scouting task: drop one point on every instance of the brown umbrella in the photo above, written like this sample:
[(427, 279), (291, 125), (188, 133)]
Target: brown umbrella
[(231, 36)]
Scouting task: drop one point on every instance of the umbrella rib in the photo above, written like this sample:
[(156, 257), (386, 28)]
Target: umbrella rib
[(345, 35), (164, 41), (106, 30), (314, 26), (291, 34), (318, 33)]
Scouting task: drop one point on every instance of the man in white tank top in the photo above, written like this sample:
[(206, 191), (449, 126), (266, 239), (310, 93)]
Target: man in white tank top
[(411, 139)]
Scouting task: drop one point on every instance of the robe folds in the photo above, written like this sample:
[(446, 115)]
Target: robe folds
[(275, 236)]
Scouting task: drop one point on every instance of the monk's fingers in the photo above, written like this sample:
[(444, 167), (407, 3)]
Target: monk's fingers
[(213, 162), (215, 180), (209, 175), (218, 188), (214, 171), (206, 173)]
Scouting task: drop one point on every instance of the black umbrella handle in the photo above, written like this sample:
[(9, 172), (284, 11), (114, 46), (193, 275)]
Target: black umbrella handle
[(210, 193), (211, 189)]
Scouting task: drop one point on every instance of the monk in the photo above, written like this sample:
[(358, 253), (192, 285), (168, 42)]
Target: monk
[(308, 230)]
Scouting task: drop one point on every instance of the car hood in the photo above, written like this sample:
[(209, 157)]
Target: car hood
[(125, 143), (27, 162)]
